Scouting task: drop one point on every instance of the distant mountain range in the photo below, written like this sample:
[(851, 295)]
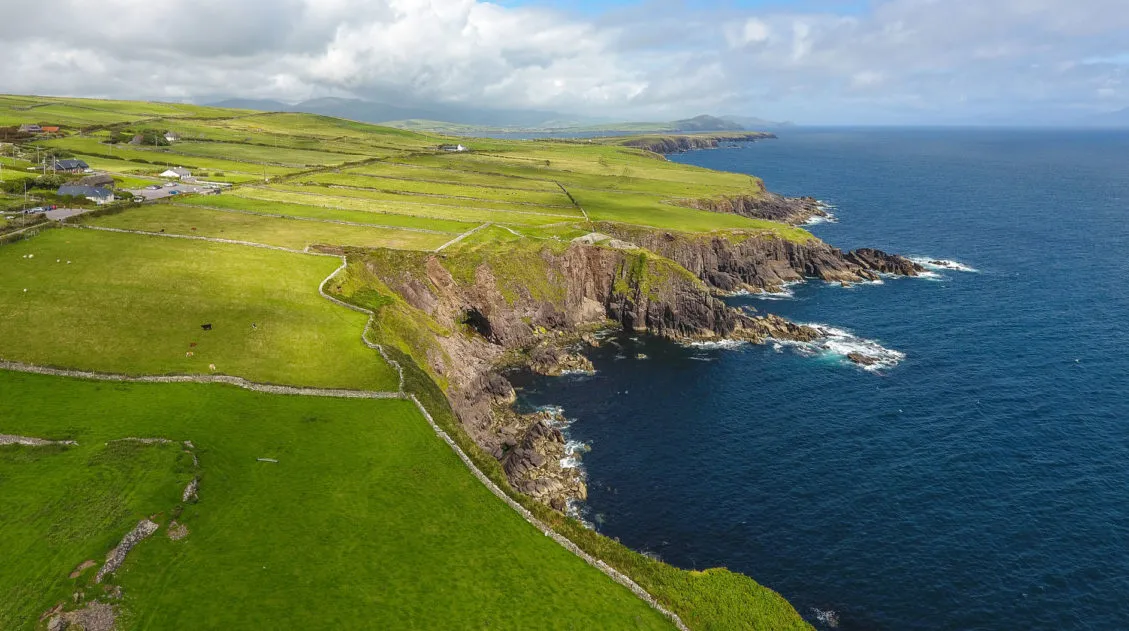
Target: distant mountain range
[(376, 112), (453, 119)]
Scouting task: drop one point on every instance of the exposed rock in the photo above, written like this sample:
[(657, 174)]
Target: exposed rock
[(177, 531), (12, 439), (861, 359), (680, 143), (96, 616), (549, 359), (116, 557), (765, 205), (190, 490), (883, 262)]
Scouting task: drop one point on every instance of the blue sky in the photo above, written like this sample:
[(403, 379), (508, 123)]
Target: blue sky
[(910, 62)]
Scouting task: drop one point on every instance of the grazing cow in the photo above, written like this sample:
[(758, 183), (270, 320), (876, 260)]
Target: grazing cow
[(212, 367), (189, 354), (192, 345), (206, 327)]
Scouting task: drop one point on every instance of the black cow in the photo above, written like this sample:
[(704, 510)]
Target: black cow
[(206, 327)]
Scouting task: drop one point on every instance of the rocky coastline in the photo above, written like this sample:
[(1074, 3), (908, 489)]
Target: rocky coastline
[(662, 283), (681, 143)]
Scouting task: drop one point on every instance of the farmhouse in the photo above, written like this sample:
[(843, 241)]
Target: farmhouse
[(172, 136), (452, 147), (68, 165), (31, 128), (177, 173), (96, 194)]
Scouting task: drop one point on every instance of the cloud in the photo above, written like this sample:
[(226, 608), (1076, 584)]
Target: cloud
[(899, 61)]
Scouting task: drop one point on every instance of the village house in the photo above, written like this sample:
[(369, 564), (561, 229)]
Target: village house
[(177, 173), (67, 165), (96, 194)]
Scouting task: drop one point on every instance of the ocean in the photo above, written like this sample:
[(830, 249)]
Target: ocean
[(977, 480)]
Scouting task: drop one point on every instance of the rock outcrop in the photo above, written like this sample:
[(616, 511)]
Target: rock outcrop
[(596, 285), (679, 143), (766, 205)]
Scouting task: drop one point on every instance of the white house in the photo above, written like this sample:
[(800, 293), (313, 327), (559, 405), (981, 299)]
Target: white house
[(96, 194), (171, 136), (177, 173)]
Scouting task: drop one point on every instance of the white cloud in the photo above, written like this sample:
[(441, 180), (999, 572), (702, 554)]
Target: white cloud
[(902, 58)]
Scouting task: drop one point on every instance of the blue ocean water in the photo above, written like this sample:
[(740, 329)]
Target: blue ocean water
[(983, 481)]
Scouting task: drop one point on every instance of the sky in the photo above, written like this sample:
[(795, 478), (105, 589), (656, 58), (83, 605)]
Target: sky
[(810, 61)]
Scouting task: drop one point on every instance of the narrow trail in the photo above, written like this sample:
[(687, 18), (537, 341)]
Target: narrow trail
[(566, 543), (463, 236)]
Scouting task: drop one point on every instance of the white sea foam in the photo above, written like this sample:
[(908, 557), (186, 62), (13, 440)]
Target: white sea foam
[(826, 616), (931, 263), (785, 293), (815, 220), (718, 344), (573, 451), (839, 343), (577, 373)]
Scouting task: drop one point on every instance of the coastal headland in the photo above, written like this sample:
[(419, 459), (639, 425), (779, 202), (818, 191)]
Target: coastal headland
[(462, 261)]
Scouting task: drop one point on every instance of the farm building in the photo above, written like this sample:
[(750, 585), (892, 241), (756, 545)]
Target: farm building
[(172, 136), (67, 165), (177, 173), (452, 147), (98, 179), (50, 129), (96, 194), (31, 128)]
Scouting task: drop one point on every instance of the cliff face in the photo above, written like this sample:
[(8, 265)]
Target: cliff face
[(767, 205), (494, 328), (763, 262), (529, 306), (679, 144)]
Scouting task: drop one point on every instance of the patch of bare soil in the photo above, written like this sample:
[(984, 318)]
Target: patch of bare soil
[(82, 567)]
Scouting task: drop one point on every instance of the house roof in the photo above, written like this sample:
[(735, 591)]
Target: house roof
[(72, 190), (97, 179), (180, 171), (70, 163)]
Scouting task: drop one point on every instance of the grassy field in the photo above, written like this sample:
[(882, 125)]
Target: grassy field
[(287, 233), (134, 304), (372, 522), (367, 521), (457, 210)]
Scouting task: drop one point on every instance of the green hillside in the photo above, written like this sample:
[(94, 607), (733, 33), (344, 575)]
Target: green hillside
[(360, 516)]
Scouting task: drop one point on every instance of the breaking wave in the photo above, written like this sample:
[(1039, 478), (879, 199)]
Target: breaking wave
[(840, 344), (718, 344), (942, 264), (826, 616)]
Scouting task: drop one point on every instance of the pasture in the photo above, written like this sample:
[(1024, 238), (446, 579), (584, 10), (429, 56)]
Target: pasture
[(366, 521), (135, 304)]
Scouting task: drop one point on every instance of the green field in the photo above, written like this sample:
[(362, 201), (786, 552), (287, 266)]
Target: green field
[(367, 216), (367, 520), (287, 233), (134, 304)]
